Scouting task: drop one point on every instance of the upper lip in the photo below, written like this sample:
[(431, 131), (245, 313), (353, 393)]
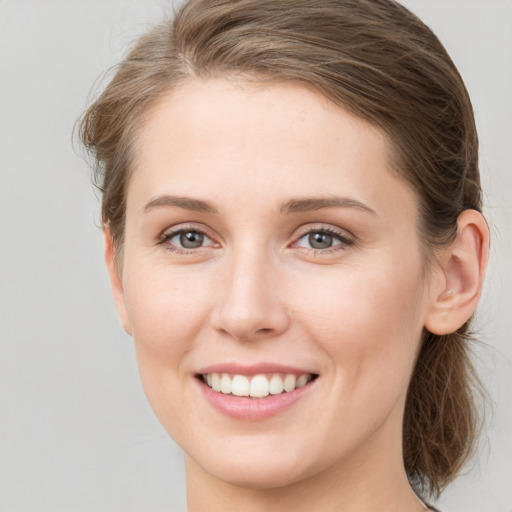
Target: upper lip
[(253, 369)]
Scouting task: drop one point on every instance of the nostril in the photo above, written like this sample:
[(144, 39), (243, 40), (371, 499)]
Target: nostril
[(248, 315)]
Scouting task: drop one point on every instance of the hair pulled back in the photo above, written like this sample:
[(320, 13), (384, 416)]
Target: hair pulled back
[(381, 63)]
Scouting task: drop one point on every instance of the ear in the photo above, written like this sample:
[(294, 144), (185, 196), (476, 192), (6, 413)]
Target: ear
[(116, 282), (456, 288)]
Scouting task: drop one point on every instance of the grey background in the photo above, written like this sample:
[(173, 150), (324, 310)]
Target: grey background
[(76, 433)]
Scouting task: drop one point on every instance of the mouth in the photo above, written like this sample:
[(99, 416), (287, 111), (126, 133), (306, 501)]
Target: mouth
[(255, 392), (255, 386)]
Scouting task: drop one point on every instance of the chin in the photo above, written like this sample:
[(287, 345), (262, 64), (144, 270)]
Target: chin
[(257, 462), (271, 474)]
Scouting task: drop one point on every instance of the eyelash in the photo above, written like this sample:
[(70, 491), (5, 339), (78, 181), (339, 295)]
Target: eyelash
[(344, 240), (167, 236)]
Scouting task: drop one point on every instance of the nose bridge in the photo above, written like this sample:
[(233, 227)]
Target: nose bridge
[(251, 303)]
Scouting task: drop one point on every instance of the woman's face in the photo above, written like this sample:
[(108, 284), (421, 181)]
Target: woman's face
[(267, 235)]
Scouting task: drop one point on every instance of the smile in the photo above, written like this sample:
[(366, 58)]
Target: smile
[(254, 393), (256, 386)]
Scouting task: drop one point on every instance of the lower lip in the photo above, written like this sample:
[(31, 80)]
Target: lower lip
[(253, 409)]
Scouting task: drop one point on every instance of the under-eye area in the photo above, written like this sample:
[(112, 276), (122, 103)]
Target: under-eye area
[(256, 386)]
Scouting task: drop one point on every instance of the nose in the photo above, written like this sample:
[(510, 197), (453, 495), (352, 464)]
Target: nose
[(251, 304)]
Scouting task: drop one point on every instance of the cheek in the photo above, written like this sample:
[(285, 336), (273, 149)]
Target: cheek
[(370, 328), (166, 308), (167, 312), (368, 321)]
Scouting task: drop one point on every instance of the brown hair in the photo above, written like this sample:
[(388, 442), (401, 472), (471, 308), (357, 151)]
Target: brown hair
[(379, 61)]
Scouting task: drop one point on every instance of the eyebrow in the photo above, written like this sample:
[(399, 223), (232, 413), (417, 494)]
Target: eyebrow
[(317, 203), (292, 206), (187, 203)]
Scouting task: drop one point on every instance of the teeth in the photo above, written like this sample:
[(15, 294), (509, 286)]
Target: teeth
[(240, 385), (258, 386), (216, 385), (276, 385), (289, 383), (225, 384), (301, 381)]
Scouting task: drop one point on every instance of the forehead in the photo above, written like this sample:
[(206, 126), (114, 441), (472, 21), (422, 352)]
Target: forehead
[(201, 110), (281, 138)]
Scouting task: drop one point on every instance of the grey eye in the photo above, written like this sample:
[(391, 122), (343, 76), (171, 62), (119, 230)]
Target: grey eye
[(320, 240), (190, 239)]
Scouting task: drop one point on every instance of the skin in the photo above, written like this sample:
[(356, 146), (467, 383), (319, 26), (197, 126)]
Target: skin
[(256, 291)]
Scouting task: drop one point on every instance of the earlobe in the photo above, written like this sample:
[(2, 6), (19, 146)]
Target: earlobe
[(458, 284), (116, 283)]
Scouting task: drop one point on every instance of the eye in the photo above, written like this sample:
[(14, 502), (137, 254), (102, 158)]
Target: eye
[(323, 239), (188, 239), (184, 239), (319, 240)]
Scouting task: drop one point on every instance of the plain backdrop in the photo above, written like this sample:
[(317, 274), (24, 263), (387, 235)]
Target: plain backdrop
[(76, 433)]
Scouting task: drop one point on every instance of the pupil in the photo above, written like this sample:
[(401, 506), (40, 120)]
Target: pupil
[(191, 239), (320, 240)]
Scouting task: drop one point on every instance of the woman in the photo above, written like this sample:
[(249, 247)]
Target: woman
[(291, 208)]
